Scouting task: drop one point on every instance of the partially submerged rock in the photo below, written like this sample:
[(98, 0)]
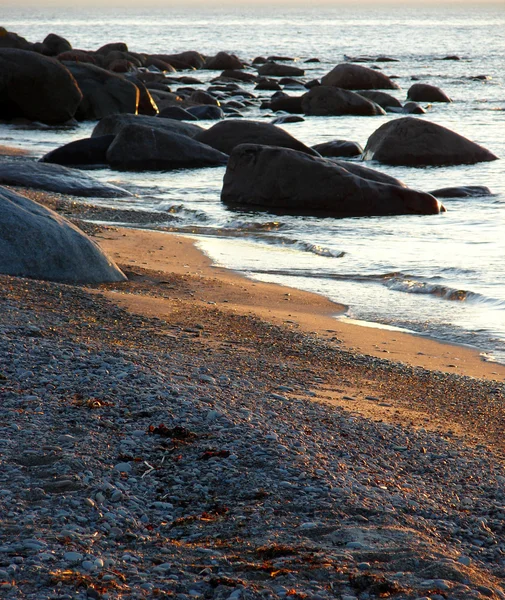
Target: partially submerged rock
[(281, 179), (356, 77), (38, 243), (424, 92), (338, 148), (56, 178), (139, 148), (36, 87), (464, 191), (88, 151), (413, 142), (114, 123), (226, 135), (326, 100)]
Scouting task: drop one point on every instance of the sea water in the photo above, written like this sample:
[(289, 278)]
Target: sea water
[(441, 275)]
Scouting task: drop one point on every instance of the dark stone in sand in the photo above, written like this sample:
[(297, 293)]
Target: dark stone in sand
[(88, 151), (327, 100), (285, 180), (464, 191), (287, 119), (271, 69), (381, 98), (55, 44), (36, 87), (114, 123), (56, 178), (206, 112), (139, 148), (223, 61), (38, 243), (104, 93), (224, 136), (177, 113), (413, 142), (423, 92), (355, 77), (338, 148)]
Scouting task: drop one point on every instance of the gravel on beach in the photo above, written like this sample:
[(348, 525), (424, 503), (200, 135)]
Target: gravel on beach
[(197, 458)]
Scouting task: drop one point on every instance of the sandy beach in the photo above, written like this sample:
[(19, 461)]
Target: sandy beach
[(196, 434)]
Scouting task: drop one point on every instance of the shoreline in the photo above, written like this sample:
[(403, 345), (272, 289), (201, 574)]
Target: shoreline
[(308, 312)]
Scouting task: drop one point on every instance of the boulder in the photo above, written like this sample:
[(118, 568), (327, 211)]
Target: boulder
[(413, 142), (325, 100), (423, 92), (56, 178), (263, 83), (272, 69), (38, 243), (112, 47), (281, 179), (223, 61), (177, 113), (36, 87), (289, 104), (338, 148), (9, 39), (381, 98), (206, 112), (224, 136), (413, 108), (88, 151), (114, 123), (152, 61), (139, 148), (238, 75), (367, 173), (464, 191), (146, 104), (283, 119), (104, 93), (80, 56), (356, 77), (55, 44), (184, 60), (203, 97)]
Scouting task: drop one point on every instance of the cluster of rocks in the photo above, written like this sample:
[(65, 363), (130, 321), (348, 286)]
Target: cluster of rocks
[(139, 461)]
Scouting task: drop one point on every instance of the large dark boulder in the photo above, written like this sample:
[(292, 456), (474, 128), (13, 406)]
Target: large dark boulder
[(338, 148), (178, 113), (423, 92), (463, 191), (139, 148), (272, 69), (367, 173), (224, 136), (104, 93), (357, 77), (114, 123), (146, 104), (324, 100), (9, 39), (55, 44), (38, 243), (413, 142), (381, 98), (56, 178), (36, 87), (289, 104), (85, 152), (206, 112), (190, 59), (281, 179), (223, 61)]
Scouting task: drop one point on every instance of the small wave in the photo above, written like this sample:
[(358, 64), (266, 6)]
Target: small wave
[(262, 226), (184, 212)]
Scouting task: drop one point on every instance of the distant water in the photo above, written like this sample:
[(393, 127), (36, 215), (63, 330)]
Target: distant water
[(443, 276)]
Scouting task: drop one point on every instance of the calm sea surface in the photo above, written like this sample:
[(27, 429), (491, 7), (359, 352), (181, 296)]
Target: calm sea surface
[(442, 276)]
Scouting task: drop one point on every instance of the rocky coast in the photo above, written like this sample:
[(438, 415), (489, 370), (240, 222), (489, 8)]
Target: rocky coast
[(191, 434)]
